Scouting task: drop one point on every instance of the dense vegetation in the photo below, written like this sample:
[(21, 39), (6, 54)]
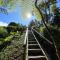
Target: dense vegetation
[(51, 21), (55, 32), (11, 41)]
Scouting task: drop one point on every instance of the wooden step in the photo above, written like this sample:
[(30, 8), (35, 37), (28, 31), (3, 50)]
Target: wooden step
[(32, 42), (29, 35), (32, 39), (33, 47), (35, 53), (36, 58)]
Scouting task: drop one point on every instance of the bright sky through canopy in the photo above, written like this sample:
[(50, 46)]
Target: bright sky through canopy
[(21, 14)]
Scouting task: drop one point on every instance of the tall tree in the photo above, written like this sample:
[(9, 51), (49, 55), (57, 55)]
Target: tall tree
[(46, 27), (45, 6)]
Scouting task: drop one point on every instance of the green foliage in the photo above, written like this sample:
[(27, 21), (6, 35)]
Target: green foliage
[(9, 38), (36, 13), (3, 32), (13, 33), (5, 42), (11, 44), (13, 24), (41, 29), (55, 33), (8, 4), (14, 50), (8, 33), (45, 7), (14, 27)]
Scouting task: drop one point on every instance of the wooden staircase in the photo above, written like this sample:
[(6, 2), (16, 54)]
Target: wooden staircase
[(34, 50)]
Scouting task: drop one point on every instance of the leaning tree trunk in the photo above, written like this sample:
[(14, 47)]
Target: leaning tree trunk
[(46, 27)]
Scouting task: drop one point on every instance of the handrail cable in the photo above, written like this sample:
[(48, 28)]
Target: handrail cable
[(43, 37)]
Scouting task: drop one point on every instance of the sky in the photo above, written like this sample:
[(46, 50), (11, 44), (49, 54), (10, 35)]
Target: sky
[(19, 14), (14, 16)]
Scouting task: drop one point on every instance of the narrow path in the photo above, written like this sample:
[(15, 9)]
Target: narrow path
[(34, 50), (38, 47)]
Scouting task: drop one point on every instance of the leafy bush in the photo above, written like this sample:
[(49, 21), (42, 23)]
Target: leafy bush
[(14, 27), (5, 42), (55, 33), (14, 51), (1, 40), (3, 32), (13, 33)]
